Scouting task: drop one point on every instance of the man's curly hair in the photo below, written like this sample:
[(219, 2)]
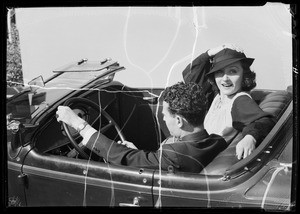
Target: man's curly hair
[(187, 100)]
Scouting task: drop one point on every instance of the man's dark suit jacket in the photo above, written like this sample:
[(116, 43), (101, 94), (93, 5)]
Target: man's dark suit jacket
[(189, 154)]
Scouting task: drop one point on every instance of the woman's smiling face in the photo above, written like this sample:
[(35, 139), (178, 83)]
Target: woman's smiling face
[(229, 79)]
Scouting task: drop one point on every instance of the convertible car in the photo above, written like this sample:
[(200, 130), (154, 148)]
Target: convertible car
[(46, 166)]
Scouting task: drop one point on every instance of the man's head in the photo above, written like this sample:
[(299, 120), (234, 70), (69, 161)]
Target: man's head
[(183, 102)]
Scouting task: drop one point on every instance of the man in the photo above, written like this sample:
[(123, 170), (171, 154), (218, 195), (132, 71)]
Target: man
[(189, 149)]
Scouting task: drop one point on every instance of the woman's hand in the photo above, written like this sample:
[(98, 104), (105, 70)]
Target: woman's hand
[(68, 116), (128, 144), (245, 147), (212, 52)]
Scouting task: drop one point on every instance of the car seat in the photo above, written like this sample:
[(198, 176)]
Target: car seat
[(274, 102)]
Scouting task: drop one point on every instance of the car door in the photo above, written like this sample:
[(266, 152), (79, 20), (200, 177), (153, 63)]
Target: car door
[(49, 180)]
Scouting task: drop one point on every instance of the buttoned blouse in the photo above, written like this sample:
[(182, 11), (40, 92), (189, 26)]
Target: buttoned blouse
[(218, 119)]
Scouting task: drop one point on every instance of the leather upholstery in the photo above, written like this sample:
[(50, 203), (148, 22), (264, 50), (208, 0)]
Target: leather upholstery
[(274, 102)]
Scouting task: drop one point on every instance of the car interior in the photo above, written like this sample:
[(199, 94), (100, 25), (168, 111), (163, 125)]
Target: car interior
[(132, 110), (138, 115)]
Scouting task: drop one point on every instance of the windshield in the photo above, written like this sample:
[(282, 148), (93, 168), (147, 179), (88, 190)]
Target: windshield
[(32, 100)]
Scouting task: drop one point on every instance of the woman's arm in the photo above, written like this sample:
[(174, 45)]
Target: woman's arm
[(252, 122), (197, 70), (249, 118)]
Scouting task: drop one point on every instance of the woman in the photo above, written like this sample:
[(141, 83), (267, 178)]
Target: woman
[(224, 72)]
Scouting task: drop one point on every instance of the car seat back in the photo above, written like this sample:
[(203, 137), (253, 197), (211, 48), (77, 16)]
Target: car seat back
[(273, 102)]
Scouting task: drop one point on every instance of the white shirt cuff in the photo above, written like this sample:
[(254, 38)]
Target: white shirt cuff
[(87, 134)]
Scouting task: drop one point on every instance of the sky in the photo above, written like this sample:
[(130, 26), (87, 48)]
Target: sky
[(155, 44)]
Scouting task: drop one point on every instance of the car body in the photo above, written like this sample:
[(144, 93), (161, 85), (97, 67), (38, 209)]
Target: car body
[(42, 169)]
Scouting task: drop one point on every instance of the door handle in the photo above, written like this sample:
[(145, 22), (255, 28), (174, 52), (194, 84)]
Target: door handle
[(135, 203)]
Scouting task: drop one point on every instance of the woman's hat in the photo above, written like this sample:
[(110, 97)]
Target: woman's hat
[(226, 57)]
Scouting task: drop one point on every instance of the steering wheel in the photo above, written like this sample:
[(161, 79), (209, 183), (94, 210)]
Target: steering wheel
[(96, 107)]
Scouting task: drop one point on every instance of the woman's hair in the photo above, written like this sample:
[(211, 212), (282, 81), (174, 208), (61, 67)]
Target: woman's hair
[(187, 100), (249, 78), (248, 82)]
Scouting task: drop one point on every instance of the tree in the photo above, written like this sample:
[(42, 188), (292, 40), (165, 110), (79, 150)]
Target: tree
[(14, 73)]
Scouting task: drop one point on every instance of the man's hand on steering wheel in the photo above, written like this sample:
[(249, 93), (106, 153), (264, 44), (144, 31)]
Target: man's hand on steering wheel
[(67, 115)]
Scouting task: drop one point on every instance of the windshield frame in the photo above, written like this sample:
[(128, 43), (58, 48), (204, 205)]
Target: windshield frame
[(34, 100)]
